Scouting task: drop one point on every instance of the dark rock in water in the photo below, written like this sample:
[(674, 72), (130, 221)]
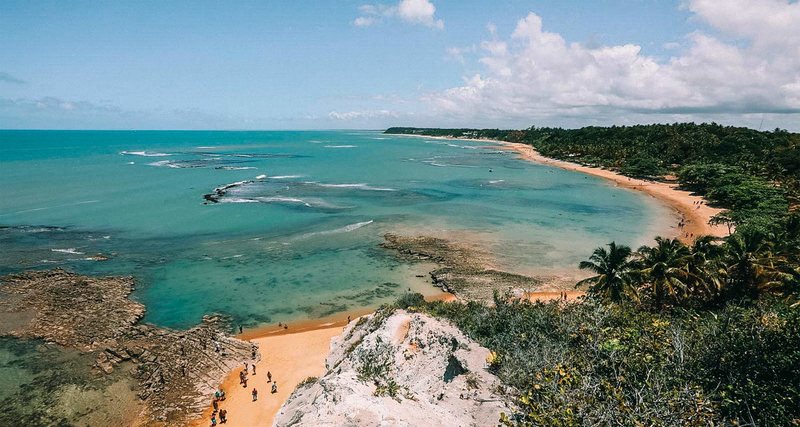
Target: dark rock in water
[(176, 370), (219, 192), (464, 270)]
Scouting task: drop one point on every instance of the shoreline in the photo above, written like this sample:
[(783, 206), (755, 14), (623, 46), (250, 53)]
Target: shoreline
[(694, 216), (692, 209)]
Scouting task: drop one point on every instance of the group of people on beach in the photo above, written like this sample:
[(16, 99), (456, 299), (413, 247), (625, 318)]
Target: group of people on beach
[(681, 224), (219, 395)]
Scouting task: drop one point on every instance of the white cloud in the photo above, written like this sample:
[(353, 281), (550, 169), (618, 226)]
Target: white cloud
[(364, 21), (421, 12), (458, 53), (536, 74), (359, 115)]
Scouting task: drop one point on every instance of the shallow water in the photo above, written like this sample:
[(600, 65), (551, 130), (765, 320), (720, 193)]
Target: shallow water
[(298, 238)]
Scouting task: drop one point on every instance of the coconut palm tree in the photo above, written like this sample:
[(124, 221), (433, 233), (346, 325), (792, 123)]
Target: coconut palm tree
[(665, 269), (705, 267), (615, 271), (752, 265)]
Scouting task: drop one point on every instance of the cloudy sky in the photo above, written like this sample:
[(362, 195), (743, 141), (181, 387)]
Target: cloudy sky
[(327, 64)]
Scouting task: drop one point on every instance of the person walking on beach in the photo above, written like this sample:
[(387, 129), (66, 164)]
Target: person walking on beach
[(245, 367), (274, 387), (254, 369), (223, 416), (255, 394), (240, 329), (269, 376), (213, 420)]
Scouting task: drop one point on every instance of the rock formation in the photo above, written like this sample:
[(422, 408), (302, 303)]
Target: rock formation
[(464, 271), (401, 369), (176, 371)]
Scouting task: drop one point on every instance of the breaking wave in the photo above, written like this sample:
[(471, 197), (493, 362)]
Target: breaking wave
[(72, 251), (357, 186), (144, 153)]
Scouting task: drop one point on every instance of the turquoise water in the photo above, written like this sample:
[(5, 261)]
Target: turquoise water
[(299, 238)]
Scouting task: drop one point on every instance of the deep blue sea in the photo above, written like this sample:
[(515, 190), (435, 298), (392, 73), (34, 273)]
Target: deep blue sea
[(297, 236)]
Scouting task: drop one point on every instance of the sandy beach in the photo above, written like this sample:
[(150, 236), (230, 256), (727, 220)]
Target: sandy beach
[(291, 358), (693, 210), (291, 354)]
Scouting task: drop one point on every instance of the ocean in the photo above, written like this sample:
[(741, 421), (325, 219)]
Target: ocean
[(296, 233)]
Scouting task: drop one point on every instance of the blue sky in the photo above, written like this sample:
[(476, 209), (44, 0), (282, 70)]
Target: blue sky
[(362, 64)]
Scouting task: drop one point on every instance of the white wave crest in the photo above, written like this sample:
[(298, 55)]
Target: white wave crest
[(164, 163), (340, 146), (68, 251), (346, 229), (144, 154), (286, 176), (360, 186)]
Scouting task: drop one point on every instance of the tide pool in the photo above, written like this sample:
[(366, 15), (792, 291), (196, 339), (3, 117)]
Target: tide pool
[(299, 218)]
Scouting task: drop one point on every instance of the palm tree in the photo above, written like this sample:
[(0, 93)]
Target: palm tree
[(615, 269), (706, 267), (665, 268), (752, 265)]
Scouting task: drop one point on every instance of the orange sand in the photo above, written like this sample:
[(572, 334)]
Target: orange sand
[(290, 358), (545, 296), (291, 354)]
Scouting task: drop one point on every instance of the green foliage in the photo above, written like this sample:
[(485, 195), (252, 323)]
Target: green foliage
[(614, 281), (307, 381), (410, 300), (643, 167), (593, 364)]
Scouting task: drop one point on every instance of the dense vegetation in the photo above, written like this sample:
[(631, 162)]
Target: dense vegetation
[(669, 334), (615, 364)]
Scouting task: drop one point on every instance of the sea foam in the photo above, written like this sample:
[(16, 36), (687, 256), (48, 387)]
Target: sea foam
[(144, 153), (360, 186)]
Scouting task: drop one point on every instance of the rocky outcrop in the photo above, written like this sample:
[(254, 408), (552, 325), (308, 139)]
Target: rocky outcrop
[(464, 271), (176, 370), (219, 192), (68, 309), (401, 369)]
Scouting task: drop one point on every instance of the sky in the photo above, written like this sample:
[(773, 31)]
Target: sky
[(370, 64)]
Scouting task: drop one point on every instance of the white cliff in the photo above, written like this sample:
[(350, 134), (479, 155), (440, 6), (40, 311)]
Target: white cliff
[(399, 369)]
